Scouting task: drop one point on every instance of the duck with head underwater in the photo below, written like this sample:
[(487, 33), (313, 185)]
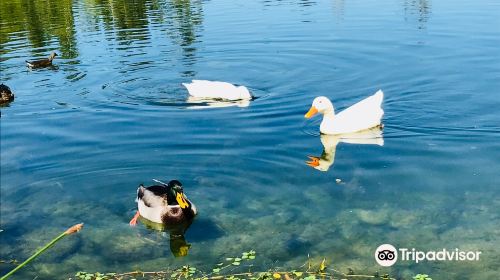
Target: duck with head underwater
[(164, 204)]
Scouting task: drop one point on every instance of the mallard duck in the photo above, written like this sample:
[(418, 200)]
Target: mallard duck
[(365, 114), (6, 94), (164, 204), (42, 62), (217, 90), (371, 136)]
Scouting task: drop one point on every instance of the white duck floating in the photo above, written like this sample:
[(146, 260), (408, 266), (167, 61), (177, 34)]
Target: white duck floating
[(366, 137), (365, 114), (202, 89)]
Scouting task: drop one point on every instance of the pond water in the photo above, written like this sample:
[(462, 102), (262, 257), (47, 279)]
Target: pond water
[(112, 113)]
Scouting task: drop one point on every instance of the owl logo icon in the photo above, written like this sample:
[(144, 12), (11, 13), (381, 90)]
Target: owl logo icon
[(386, 255)]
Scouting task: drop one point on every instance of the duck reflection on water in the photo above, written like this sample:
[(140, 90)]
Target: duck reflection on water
[(178, 244), (371, 136), (205, 103)]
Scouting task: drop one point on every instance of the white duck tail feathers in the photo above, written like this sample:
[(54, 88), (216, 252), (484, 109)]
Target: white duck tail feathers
[(216, 90), (378, 97)]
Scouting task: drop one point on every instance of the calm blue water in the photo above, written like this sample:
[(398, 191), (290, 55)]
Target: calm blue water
[(79, 138)]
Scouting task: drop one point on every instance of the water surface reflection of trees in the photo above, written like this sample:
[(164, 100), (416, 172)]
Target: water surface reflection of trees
[(40, 22), (128, 21), (417, 10), (125, 21), (185, 20), (134, 19)]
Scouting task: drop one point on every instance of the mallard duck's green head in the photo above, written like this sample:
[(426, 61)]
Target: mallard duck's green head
[(177, 192)]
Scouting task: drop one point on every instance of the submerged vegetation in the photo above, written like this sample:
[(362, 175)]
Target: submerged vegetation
[(237, 268), (422, 277)]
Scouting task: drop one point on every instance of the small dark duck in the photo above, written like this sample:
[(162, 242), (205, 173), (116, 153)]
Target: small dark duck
[(42, 62), (6, 94), (164, 204)]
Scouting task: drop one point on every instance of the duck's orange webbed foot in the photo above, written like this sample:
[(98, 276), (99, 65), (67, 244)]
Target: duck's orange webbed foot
[(314, 161), (133, 222)]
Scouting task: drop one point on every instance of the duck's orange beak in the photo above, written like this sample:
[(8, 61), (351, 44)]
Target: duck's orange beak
[(314, 161), (313, 111)]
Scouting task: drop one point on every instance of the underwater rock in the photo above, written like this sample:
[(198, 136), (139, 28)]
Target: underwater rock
[(46, 269), (41, 236), (363, 248), (373, 217), (297, 246), (357, 265), (125, 245), (204, 229), (403, 219), (85, 262), (407, 274)]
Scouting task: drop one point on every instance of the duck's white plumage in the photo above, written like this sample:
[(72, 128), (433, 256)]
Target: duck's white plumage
[(156, 213), (365, 114), (216, 90), (154, 207)]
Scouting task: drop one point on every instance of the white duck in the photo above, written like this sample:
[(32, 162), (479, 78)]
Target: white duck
[(365, 114), (217, 90), (371, 136)]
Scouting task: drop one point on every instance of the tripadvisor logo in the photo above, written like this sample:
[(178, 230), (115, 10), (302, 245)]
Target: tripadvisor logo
[(387, 255)]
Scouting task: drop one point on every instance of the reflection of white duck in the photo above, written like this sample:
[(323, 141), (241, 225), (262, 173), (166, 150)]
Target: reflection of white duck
[(203, 103), (217, 90), (365, 114), (370, 136)]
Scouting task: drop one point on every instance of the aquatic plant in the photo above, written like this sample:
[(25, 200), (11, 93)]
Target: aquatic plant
[(422, 277), (228, 270), (71, 230)]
